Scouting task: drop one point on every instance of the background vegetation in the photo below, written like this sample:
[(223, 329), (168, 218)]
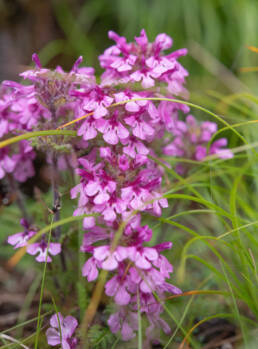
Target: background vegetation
[(213, 219)]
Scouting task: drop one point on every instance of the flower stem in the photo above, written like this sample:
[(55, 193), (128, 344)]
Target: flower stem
[(56, 195), (56, 203), (33, 134)]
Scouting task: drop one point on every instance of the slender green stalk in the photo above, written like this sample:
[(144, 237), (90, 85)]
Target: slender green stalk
[(10, 329), (58, 224), (195, 106), (27, 302), (42, 289), (180, 322), (58, 319), (236, 310), (37, 134), (115, 343)]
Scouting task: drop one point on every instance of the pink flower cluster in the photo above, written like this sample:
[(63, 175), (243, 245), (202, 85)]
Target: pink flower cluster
[(17, 162), (118, 178), (191, 142), (124, 129), (143, 62), (138, 271)]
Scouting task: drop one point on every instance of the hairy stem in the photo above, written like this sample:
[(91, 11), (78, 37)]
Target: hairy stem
[(56, 203), (56, 195)]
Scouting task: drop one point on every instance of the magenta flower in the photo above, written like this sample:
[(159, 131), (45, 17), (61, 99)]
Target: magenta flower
[(90, 269), (114, 206), (157, 204), (140, 128), (143, 62), (7, 163), (112, 129), (144, 256), (117, 288), (131, 106), (110, 260), (97, 101), (20, 109), (124, 321), (134, 147), (217, 148), (100, 188), (135, 196), (94, 235), (61, 331), (24, 168), (192, 142), (42, 248), (21, 239), (88, 129)]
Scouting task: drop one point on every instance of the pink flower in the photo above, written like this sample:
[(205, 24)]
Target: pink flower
[(7, 163), (117, 288), (93, 235), (126, 321), (131, 106), (24, 167), (113, 207), (61, 331), (97, 101), (192, 142), (21, 239), (110, 260), (158, 204), (144, 256), (142, 62), (112, 129), (140, 128), (123, 163), (42, 248), (88, 129), (216, 148), (135, 197), (90, 270), (133, 146), (100, 188)]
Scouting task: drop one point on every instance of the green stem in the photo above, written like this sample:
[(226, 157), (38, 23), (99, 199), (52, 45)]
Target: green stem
[(195, 106), (42, 288), (58, 224), (37, 134)]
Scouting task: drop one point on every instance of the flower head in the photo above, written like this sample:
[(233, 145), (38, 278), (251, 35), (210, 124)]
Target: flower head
[(143, 62)]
